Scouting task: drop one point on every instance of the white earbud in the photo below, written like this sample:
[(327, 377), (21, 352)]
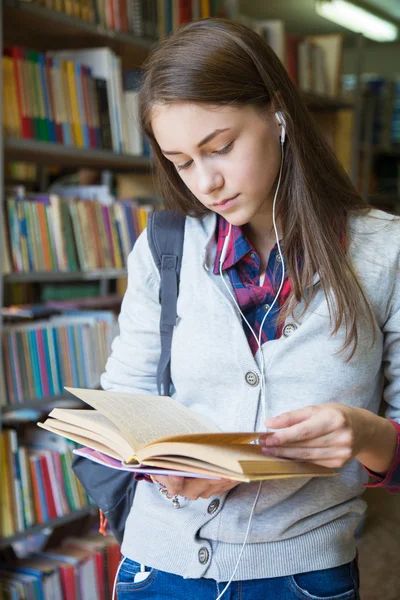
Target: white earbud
[(281, 120)]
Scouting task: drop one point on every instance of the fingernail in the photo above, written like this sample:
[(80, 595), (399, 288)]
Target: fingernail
[(270, 440)]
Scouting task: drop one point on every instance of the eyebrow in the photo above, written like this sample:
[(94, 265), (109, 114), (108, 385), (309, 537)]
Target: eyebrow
[(207, 139)]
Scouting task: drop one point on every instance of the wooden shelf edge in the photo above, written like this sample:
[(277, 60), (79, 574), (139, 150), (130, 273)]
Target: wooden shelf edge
[(49, 153), (39, 404), (63, 22), (65, 519), (59, 276), (316, 102)]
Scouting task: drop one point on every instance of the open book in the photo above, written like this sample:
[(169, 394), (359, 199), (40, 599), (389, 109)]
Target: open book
[(157, 431)]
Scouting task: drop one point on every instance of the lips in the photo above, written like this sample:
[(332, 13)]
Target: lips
[(225, 201)]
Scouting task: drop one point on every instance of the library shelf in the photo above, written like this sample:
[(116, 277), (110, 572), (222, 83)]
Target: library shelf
[(316, 102), (393, 150), (49, 153), (64, 520), (50, 27), (62, 401), (60, 276)]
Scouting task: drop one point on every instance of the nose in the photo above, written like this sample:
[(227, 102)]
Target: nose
[(209, 179)]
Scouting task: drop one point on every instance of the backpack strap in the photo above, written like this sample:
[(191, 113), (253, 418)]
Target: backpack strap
[(165, 233)]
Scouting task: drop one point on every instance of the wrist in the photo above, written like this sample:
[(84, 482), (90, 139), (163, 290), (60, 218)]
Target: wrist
[(379, 444)]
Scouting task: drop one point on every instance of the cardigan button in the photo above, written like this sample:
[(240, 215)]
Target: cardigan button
[(252, 378), (213, 506), (289, 329), (203, 555)]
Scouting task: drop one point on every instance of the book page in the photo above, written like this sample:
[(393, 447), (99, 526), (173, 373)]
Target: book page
[(242, 459), (81, 439), (234, 437), (143, 418), (119, 446)]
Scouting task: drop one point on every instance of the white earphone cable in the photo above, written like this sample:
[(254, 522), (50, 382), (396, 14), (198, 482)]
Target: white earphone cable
[(258, 340)]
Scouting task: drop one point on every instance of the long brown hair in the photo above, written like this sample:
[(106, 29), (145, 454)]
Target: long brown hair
[(220, 62)]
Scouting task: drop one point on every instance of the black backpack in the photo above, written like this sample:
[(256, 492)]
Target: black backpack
[(111, 490)]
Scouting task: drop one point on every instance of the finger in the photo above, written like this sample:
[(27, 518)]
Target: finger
[(216, 491), (333, 439), (174, 484), (203, 488), (289, 418), (310, 454), (314, 427)]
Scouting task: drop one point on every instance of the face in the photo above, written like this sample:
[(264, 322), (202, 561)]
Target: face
[(228, 157)]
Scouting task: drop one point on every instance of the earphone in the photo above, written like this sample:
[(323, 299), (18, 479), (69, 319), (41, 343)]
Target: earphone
[(281, 120)]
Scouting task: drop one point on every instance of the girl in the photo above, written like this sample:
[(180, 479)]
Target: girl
[(288, 319)]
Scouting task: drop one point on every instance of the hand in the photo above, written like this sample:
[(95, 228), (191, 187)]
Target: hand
[(195, 488), (328, 434)]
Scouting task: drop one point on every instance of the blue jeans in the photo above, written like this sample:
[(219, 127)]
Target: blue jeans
[(339, 583)]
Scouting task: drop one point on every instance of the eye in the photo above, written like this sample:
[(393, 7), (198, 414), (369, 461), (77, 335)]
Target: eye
[(225, 150), (185, 166)]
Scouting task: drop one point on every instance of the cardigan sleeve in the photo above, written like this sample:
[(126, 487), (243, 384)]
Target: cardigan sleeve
[(391, 392), (391, 482), (132, 364)]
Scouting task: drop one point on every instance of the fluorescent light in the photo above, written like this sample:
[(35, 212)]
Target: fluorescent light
[(357, 19)]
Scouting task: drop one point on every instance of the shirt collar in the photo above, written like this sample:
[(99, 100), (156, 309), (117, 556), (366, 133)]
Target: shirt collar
[(238, 245)]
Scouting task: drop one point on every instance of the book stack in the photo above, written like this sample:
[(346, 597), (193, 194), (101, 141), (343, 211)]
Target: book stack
[(38, 483), (78, 569), (40, 358), (50, 233), (73, 97)]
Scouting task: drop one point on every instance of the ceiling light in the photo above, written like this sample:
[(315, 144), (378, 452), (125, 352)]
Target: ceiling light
[(357, 19)]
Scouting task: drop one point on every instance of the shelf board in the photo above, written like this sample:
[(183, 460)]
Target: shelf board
[(49, 153), (316, 102), (48, 29), (41, 403), (73, 516), (57, 276), (381, 150)]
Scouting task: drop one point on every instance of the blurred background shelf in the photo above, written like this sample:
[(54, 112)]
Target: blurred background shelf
[(63, 400), (316, 102), (37, 26), (64, 520), (48, 153), (54, 276)]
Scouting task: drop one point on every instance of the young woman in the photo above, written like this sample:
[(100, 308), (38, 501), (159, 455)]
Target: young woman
[(288, 318)]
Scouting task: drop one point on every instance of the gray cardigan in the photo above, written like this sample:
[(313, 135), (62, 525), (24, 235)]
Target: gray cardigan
[(299, 524)]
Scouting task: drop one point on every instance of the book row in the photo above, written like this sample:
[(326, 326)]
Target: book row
[(313, 62), (78, 98), (51, 233), (81, 568), (42, 357), (38, 483), (385, 95), (143, 18)]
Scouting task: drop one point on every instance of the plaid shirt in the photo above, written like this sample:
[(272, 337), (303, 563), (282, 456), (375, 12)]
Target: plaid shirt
[(242, 264), (243, 267)]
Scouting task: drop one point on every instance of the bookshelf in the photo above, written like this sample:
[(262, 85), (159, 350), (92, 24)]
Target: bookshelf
[(53, 523), (47, 153), (36, 26), (60, 400), (47, 276), (380, 144)]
